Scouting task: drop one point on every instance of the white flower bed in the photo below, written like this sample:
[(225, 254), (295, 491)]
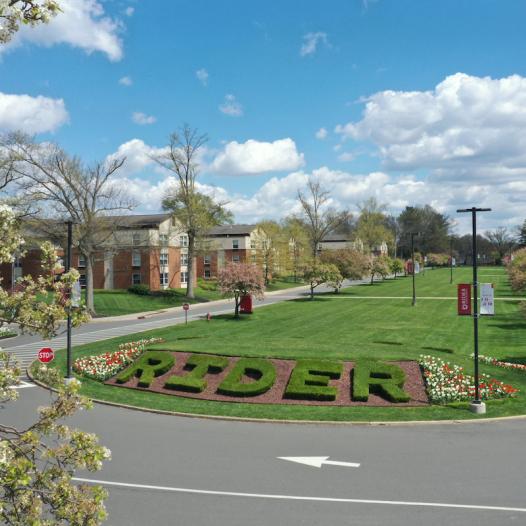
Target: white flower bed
[(104, 366), (449, 383), (497, 363)]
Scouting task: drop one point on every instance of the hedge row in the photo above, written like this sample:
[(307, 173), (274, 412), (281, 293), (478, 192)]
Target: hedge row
[(261, 372), (150, 365), (310, 380), (383, 379), (198, 366)]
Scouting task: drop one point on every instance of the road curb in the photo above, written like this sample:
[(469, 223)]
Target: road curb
[(412, 423)]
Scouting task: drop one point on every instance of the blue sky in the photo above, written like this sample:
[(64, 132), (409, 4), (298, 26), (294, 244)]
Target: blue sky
[(409, 101)]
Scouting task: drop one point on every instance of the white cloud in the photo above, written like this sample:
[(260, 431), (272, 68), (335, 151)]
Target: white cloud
[(126, 81), (82, 24), (311, 41), (202, 76), (321, 134), (31, 114), (129, 11), (467, 127), (255, 157), (346, 157), (231, 106), (138, 117)]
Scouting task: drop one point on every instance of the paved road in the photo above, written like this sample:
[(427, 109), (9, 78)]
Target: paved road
[(204, 472)]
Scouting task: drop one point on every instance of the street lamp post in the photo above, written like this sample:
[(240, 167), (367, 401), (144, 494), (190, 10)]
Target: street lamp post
[(477, 406), (69, 375)]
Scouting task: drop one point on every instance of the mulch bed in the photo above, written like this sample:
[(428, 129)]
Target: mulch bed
[(414, 385)]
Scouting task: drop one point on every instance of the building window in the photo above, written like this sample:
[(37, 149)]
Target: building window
[(136, 279), (235, 258), (136, 238), (235, 244), (163, 239), (207, 260), (208, 273), (136, 258), (82, 261), (253, 244), (184, 277), (82, 280), (254, 258), (183, 240), (164, 279), (163, 258), (184, 259)]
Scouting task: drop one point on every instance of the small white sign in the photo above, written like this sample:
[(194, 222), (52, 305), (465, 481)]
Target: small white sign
[(487, 299), (76, 294), (453, 262)]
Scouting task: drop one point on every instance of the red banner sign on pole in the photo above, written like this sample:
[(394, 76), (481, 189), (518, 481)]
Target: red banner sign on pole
[(464, 299)]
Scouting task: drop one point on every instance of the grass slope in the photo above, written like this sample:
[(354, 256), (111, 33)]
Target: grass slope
[(347, 326)]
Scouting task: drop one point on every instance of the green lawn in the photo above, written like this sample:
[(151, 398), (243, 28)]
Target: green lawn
[(345, 326), (119, 302)]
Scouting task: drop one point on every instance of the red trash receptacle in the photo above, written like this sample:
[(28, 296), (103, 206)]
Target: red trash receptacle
[(245, 307)]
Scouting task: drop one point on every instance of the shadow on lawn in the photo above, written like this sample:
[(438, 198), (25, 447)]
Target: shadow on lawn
[(388, 343), (438, 349)]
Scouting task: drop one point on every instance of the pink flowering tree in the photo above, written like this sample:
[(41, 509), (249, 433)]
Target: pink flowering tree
[(239, 279)]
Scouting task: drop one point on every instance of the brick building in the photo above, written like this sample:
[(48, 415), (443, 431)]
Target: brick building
[(144, 249), (228, 244)]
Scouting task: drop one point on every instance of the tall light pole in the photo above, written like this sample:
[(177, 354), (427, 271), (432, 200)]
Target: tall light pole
[(477, 406), (69, 375)]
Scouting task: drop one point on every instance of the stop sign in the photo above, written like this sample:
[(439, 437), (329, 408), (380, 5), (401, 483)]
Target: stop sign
[(186, 306), (46, 354)]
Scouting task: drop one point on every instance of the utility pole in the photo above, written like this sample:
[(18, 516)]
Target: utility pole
[(476, 406)]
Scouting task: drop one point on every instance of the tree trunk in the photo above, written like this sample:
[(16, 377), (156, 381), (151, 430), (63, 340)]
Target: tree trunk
[(372, 278), (190, 267), (90, 302), (311, 292)]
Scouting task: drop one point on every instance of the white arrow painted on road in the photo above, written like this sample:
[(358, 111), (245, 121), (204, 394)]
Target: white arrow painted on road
[(317, 462)]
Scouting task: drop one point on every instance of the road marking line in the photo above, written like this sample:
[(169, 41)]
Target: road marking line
[(298, 497), (318, 462)]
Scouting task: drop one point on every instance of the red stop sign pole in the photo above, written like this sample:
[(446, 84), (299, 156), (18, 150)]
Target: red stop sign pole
[(186, 308), (45, 355)]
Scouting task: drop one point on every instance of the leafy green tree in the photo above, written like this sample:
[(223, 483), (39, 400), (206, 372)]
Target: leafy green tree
[(295, 233), (15, 12), (521, 235), (432, 225), (196, 212), (38, 463), (316, 274), (380, 266), (373, 225), (517, 270), (352, 264), (271, 247), (397, 266)]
